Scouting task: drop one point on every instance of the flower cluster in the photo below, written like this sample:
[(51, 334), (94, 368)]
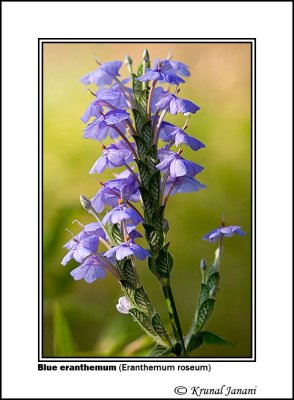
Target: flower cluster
[(109, 115), (132, 113)]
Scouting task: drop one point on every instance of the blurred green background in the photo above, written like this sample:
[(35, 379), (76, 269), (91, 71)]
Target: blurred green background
[(80, 319)]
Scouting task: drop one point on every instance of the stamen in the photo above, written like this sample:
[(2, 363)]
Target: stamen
[(71, 234), (120, 201), (78, 222), (91, 92)]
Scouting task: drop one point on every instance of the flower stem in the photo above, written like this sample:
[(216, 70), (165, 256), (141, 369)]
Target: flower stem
[(157, 127), (133, 173), (125, 139), (149, 99), (173, 315)]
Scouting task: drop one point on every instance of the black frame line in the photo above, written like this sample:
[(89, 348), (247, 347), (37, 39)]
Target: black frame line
[(252, 42)]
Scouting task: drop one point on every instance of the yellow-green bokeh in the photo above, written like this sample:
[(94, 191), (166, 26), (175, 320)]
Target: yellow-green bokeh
[(220, 85)]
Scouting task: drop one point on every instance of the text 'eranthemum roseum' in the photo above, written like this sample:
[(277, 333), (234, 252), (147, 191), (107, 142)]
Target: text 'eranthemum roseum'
[(133, 113)]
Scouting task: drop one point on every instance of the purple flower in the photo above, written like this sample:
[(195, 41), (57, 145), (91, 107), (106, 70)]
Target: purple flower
[(178, 136), (95, 109), (157, 94), (174, 104), (123, 306), (80, 249), (228, 231), (178, 166), (125, 188), (112, 157), (183, 184), (157, 74), (99, 128), (128, 249), (90, 270), (114, 95), (180, 68), (103, 75), (122, 213)]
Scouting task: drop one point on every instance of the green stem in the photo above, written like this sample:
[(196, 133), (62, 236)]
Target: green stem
[(173, 314)]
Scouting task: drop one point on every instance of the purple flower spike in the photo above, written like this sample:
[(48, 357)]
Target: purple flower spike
[(228, 231), (178, 166), (103, 75), (99, 128), (174, 105), (90, 270), (112, 157), (126, 250)]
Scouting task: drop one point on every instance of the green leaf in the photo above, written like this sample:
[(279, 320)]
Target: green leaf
[(147, 133), (211, 338), (140, 70), (213, 280), (116, 234), (127, 271), (155, 238), (161, 351), (143, 320), (159, 328), (63, 339), (162, 262), (142, 300), (195, 341), (141, 147), (148, 203), (154, 187), (152, 267), (204, 313), (204, 294), (129, 289), (144, 173), (139, 120)]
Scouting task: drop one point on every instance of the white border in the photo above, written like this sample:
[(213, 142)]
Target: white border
[(271, 23), (253, 133)]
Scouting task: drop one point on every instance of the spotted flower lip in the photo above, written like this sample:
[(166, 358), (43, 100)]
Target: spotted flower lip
[(127, 249), (103, 75), (227, 231)]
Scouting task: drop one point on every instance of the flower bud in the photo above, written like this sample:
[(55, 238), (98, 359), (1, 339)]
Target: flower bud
[(203, 264), (128, 63), (146, 57), (86, 203), (123, 306)]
